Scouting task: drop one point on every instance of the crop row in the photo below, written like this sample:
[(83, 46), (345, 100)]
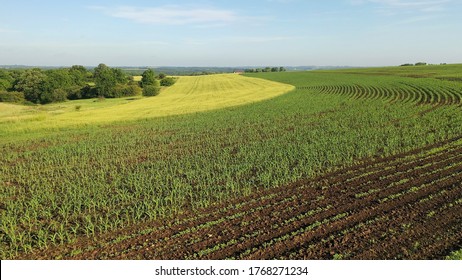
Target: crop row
[(404, 92), (71, 186), (372, 238), (289, 218)]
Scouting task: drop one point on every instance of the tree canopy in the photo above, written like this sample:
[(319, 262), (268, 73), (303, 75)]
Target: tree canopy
[(77, 82), (105, 80), (148, 78), (32, 83)]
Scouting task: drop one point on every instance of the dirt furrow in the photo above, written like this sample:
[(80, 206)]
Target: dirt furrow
[(365, 213), (237, 219), (183, 247), (184, 226), (354, 242)]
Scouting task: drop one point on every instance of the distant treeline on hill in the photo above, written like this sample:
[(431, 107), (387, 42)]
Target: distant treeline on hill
[(419, 64), (193, 71), (179, 71), (182, 71), (42, 86), (266, 69)]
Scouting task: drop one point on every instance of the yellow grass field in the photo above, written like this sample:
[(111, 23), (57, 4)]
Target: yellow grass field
[(188, 95)]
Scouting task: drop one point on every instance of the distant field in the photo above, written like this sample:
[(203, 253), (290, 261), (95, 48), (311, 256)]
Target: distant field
[(450, 72), (351, 164), (188, 95)]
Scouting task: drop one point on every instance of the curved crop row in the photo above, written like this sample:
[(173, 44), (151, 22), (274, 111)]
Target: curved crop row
[(207, 185), (434, 92)]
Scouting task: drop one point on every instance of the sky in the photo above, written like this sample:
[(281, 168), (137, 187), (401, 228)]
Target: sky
[(230, 33)]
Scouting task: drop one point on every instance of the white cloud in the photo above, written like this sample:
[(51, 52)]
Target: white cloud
[(171, 15)]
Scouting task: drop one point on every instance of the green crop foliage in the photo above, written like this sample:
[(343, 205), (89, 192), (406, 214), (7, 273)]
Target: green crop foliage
[(457, 255), (86, 177)]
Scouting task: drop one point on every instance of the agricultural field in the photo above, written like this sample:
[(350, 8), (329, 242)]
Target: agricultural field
[(357, 164), (439, 72), (190, 95)]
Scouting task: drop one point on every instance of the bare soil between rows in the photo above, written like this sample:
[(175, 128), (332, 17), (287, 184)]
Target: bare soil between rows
[(407, 206)]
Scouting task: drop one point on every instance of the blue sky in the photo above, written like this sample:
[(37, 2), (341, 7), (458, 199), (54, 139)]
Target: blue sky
[(230, 33)]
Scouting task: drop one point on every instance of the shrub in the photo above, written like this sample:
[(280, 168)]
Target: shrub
[(167, 82), (74, 93), (132, 82), (89, 92), (4, 84), (151, 90), (126, 90), (133, 90), (57, 95), (12, 96)]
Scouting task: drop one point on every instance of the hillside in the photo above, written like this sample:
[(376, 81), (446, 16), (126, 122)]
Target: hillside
[(329, 170)]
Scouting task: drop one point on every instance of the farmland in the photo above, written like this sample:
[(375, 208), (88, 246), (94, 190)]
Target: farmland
[(233, 90), (350, 164)]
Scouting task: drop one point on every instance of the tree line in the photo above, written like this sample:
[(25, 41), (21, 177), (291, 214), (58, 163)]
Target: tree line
[(77, 82), (416, 64), (266, 69)]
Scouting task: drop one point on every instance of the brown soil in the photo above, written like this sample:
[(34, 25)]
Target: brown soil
[(406, 206)]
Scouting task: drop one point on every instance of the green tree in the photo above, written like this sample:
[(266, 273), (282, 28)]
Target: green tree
[(55, 95), (6, 80), (32, 83), (282, 69), (78, 75), (119, 75), (57, 79), (148, 78), (87, 92), (75, 92), (105, 80)]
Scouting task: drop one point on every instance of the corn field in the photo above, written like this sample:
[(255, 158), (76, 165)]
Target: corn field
[(117, 188)]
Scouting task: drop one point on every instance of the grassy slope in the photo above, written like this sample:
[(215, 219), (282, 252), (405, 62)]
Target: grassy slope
[(81, 182), (188, 95)]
